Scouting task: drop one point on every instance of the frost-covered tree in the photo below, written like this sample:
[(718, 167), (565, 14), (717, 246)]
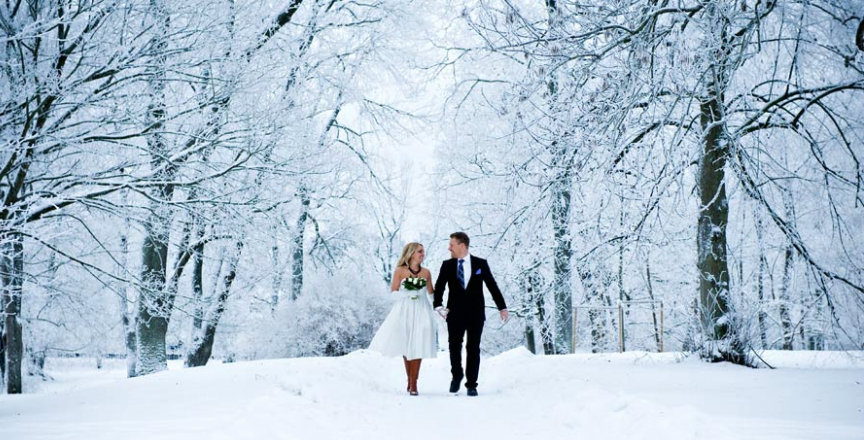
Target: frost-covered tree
[(661, 98), (65, 80)]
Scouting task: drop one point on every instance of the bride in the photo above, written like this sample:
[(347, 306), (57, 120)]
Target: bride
[(409, 329)]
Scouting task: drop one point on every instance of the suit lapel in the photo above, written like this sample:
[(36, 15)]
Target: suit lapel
[(473, 271)]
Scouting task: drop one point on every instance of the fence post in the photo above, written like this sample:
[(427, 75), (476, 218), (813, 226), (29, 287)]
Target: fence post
[(620, 327), (661, 326), (573, 335)]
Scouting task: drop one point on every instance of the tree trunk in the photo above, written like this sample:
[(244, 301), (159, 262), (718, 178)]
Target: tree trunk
[(150, 338), (650, 286), (203, 348), (125, 315), (529, 338), (277, 270), (11, 271), (528, 287), (593, 298), (153, 310), (154, 306), (815, 315), (198, 275), (560, 206), (531, 284), (760, 280), (2, 337), (785, 319), (721, 340), (719, 327), (561, 282), (546, 336), (788, 261), (299, 243), (623, 296), (131, 343)]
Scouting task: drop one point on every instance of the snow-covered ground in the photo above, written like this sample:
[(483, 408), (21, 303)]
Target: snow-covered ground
[(362, 396)]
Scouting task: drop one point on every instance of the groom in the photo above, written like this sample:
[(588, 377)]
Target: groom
[(464, 275)]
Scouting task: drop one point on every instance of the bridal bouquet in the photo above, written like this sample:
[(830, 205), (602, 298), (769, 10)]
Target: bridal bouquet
[(414, 284)]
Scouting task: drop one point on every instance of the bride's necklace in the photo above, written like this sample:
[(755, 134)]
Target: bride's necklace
[(412, 270)]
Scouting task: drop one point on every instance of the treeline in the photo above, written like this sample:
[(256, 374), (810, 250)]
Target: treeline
[(156, 153), (705, 153)]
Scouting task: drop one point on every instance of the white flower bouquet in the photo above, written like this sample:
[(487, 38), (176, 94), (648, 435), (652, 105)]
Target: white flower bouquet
[(414, 284)]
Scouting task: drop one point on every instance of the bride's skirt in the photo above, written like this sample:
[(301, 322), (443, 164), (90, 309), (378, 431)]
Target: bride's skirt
[(409, 329)]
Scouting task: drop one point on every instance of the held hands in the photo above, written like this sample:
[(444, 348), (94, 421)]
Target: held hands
[(505, 315), (442, 312)]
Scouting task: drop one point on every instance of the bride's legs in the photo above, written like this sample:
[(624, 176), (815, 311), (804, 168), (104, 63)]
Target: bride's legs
[(407, 372), (414, 370)]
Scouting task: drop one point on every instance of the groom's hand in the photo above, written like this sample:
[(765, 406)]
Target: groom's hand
[(505, 315), (442, 312)]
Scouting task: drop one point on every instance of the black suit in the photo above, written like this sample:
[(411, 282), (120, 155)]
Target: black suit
[(467, 313)]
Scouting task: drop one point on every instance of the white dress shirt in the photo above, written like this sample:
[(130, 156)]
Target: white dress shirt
[(466, 266)]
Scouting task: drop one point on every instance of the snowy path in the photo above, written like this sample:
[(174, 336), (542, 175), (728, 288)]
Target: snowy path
[(361, 396)]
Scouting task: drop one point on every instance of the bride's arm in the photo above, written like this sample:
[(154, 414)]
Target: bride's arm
[(396, 280), (428, 276)]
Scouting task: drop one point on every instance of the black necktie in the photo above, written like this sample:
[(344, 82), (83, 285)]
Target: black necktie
[(460, 273)]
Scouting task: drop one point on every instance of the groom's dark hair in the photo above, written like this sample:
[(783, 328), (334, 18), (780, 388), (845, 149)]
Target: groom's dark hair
[(461, 237)]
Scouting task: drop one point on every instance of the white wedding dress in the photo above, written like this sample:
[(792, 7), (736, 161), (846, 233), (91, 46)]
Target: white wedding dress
[(409, 329)]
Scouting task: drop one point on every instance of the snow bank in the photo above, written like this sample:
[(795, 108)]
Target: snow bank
[(522, 396)]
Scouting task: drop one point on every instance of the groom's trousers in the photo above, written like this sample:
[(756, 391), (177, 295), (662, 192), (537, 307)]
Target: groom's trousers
[(457, 330)]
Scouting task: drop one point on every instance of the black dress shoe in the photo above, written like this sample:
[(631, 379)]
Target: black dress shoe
[(454, 385), (472, 392)]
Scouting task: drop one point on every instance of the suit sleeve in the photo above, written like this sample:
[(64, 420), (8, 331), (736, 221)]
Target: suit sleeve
[(440, 283), (493, 287)]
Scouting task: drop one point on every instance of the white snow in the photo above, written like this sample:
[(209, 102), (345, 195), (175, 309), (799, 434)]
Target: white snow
[(362, 396)]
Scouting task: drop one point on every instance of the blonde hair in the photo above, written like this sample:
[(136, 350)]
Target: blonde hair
[(407, 253)]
